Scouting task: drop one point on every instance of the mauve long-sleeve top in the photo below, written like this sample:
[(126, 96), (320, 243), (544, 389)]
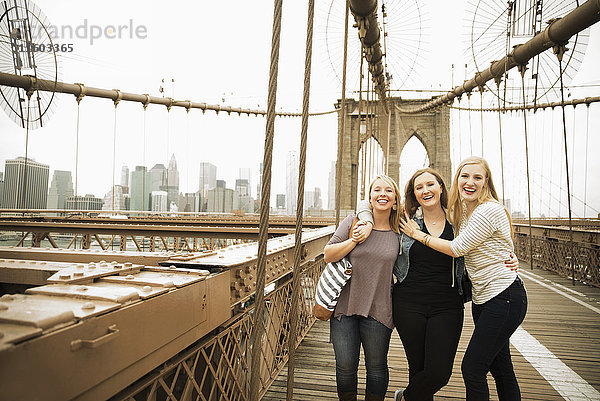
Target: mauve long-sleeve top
[(369, 290)]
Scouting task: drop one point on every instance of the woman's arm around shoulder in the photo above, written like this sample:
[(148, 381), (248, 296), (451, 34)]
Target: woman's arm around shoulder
[(341, 243)]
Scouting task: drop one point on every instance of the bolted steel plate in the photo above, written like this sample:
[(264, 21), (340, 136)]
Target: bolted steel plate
[(22, 310), (144, 291), (81, 272), (13, 333), (118, 294), (162, 279)]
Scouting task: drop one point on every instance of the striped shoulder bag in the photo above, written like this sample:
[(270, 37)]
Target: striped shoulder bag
[(330, 285)]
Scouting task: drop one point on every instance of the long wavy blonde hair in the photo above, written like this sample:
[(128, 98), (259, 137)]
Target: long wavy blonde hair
[(394, 214), (488, 192)]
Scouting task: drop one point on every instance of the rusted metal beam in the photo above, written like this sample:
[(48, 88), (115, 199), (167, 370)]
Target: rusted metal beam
[(558, 32)]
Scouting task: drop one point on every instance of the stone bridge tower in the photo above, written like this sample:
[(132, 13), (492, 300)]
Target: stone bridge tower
[(432, 129)]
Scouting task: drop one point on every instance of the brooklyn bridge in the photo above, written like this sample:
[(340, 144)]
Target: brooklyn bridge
[(158, 293)]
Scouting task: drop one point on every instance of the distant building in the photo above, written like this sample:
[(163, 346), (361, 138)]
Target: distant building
[(172, 181), (140, 190), (61, 187), (246, 174), (219, 200), (35, 190), (158, 177), (159, 201), (125, 179), (188, 202), (309, 200), (280, 201), (331, 188), (208, 176), (119, 202), (291, 182), (88, 202), (259, 185), (1, 186)]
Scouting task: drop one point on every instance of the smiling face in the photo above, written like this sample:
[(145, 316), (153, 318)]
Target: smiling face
[(471, 182), (427, 190), (382, 195)]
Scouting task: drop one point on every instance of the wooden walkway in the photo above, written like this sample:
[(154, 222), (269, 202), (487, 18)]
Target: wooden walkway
[(556, 354)]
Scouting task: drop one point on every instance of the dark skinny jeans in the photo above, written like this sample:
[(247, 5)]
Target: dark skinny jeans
[(347, 335), (488, 351), (430, 338)]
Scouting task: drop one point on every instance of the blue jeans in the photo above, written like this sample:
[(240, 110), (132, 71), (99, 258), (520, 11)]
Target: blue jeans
[(347, 334), (488, 350)]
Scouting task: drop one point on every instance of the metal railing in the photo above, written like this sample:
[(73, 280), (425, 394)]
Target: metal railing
[(218, 368), (551, 251)]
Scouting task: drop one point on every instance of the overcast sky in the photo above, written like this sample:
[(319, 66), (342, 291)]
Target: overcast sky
[(218, 52)]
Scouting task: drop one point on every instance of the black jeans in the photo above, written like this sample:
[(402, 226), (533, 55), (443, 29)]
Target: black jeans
[(430, 337), (488, 350)]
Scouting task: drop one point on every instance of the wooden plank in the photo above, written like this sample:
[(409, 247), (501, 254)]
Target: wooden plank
[(568, 329)]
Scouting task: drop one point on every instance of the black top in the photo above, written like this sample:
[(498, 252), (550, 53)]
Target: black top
[(429, 279)]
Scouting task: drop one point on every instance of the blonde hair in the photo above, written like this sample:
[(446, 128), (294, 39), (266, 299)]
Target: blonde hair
[(488, 193), (394, 214)]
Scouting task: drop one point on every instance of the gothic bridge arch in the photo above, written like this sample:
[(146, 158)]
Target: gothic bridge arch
[(432, 128)]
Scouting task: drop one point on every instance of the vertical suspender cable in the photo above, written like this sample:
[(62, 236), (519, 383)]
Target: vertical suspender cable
[(481, 115), (114, 156), (342, 132), (77, 149), (265, 197), (470, 129), (144, 162), (26, 154), (559, 50), (387, 152), (501, 153), (359, 152), (522, 68), (459, 133), (292, 338), (587, 132)]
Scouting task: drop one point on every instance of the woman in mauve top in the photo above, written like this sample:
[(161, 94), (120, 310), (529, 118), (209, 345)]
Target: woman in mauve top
[(363, 314), (484, 236)]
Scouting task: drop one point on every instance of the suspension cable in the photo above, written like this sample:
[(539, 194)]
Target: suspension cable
[(559, 51), (522, 69), (360, 106), (342, 132), (501, 145), (116, 102), (258, 318), (481, 115), (29, 93), (292, 337), (587, 132)]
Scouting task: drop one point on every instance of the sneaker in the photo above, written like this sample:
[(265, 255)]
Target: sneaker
[(398, 394)]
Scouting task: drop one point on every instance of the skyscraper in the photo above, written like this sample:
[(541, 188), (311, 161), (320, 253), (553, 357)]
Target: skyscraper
[(172, 181), (141, 189), (158, 177), (331, 188), (60, 188), (35, 190), (118, 202), (125, 179), (1, 186), (208, 176), (291, 182), (246, 174)]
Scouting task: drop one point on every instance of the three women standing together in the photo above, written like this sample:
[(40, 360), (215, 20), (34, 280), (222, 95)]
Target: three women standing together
[(426, 303)]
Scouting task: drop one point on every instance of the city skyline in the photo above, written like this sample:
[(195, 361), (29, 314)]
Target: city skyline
[(146, 65)]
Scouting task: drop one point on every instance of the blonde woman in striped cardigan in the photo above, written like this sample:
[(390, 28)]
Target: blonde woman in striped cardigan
[(484, 238)]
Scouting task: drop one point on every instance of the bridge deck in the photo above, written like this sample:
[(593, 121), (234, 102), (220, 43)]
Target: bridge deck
[(558, 359)]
